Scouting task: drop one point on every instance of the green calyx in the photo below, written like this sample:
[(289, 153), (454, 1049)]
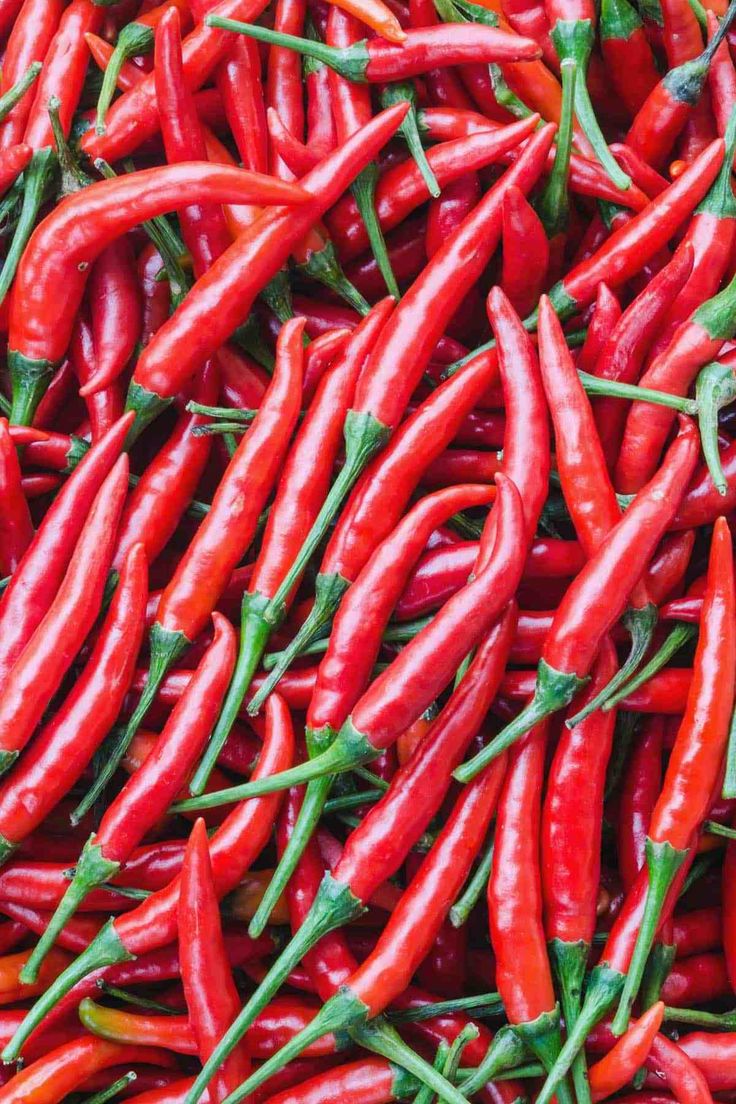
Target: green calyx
[(165, 647), (564, 305), (106, 949), (7, 758), (715, 388), (618, 20), (134, 40), (16, 93), (552, 205), (36, 176), (474, 890), (377, 1036), (542, 1037), (404, 92), (7, 848), (350, 62), (718, 315), (569, 961), (147, 406), (77, 451), (323, 265), (663, 862), (640, 624), (333, 906), (254, 634), (350, 749), (91, 870), (29, 380), (573, 38), (677, 638), (505, 1052), (604, 987), (363, 190), (659, 964), (277, 296), (554, 690), (313, 804)]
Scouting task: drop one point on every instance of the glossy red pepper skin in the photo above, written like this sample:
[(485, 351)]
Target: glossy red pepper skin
[(62, 749), (682, 1075), (641, 787), (29, 41), (525, 253), (104, 407), (51, 649), (16, 525), (115, 309)]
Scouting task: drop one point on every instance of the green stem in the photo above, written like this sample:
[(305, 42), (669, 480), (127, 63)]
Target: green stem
[(315, 797), (677, 638), (323, 265), (569, 961), (595, 386), (333, 906), (542, 1036), (134, 40), (92, 869), (553, 691), (729, 780), (481, 1005), (641, 624), (715, 387), (425, 1094), (399, 633), (363, 189), (663, 862), (721, 1021), (656, 973), (505, 97), (350, 62), (603, 989), (405, 92), (277, 296), (126, 997), (351, 801), (106, 949), (377, 1036), (573, 38), (553, 204), (506, 1051), (147, 406), (349, 749), (17, 91), (713, 828), (112, 1090), (461, 910), (165, 647), (226, 413)]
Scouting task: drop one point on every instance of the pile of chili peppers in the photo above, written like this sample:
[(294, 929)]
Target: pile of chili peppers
[(367, 602)]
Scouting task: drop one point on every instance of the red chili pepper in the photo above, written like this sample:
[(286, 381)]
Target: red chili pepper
[(62, 749), (16, 526), (77, 231), (692, 773), (525, 253), (682, 1075), (50, 651), (713, 1055), (32, 34), (620, 1064), (115, 309), (641, 786), (234, 846), (103, 407), (596, 598), (606, 314), (628, 56), (721, 79), (147, 794)]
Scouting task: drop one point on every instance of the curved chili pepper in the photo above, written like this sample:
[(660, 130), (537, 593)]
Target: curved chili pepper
[(606, 314), (283, 85), (40, 573), (681, 1074), (251, 261), (620, 1064), (570, 844), (402, 188), (302, 489), (29, 41), (386, 384), (203, 572), (639, 792), (148, 793), (153, 923), (352, 650), (691, 776), (628, 249), (50, 651), (595, 599), (212, 1007), (403, 943), (77, 231), (65, 745), (103, 407), (115, 309), (624, 352)]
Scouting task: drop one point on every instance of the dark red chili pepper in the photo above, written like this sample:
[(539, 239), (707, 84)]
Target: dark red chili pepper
[(692, 773), (682, 1075), (29, 41), (77, 231), (50, 651), (147, 793), (115, 310), (233, 847), (596, 598), (641, 786), (571, 824), (62, 749), (16, 526)]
